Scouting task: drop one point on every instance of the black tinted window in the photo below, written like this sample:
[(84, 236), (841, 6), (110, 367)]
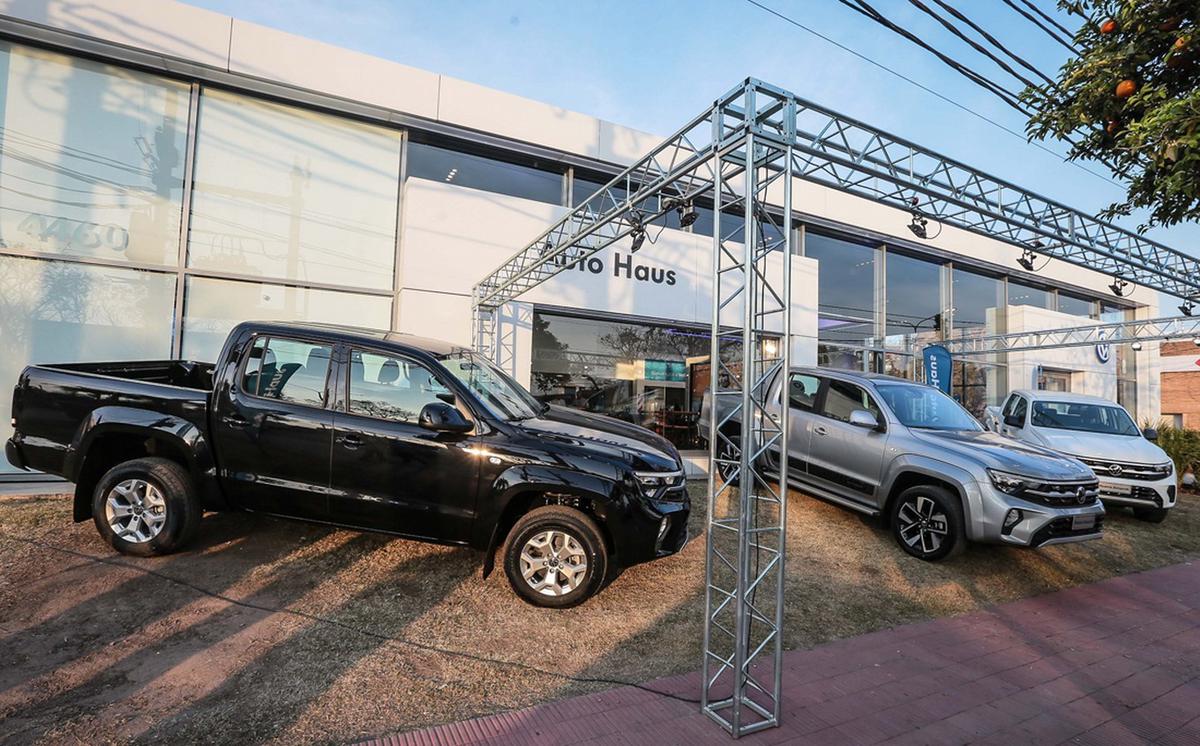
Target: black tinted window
[(287, 370), (802, 391), (842, 398)]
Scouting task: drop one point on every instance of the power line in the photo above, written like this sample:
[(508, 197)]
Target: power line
[(1042, 26), (936, 94), (1070, 34), (974, 45), (865, 8), (995, 42)]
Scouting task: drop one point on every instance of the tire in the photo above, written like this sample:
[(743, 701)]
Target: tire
[(940, 509), (1151, 515), (159, 493), (566, 537), (727, 470)]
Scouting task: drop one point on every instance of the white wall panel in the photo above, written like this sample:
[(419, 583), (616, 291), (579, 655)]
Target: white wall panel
[(489, 110), (277, 56)]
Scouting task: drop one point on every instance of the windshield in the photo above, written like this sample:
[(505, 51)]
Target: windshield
[(1083, 416), (925, 407), (504, 397)]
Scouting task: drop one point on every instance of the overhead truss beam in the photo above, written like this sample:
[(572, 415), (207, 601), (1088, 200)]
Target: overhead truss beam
[(1148, 330)]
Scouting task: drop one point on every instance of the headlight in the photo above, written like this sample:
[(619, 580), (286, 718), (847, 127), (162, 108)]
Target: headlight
[(1010, 484), (653, 483), (1166, 469)]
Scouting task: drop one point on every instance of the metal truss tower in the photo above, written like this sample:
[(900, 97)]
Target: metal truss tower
[(744, 156)]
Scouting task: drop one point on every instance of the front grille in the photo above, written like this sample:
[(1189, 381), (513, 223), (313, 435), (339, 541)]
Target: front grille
[(1060, 528), (1063, 494), (1106, 468)]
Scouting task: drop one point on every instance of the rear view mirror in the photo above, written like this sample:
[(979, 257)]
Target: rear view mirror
[(1013, 420), (863, 418), (443, 418), (1150, 434)]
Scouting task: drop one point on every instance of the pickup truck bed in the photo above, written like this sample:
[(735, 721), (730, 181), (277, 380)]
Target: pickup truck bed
[(69, 405)]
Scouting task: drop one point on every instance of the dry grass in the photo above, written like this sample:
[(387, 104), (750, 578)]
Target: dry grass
[(104, 652)]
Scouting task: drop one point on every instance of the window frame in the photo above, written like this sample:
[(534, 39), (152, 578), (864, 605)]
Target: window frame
[(343, 386), (327, 392), (785, 392)]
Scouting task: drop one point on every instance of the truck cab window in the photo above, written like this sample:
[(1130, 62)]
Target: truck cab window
[(842, 398), (287, 370), (802, 391), (391, 388)]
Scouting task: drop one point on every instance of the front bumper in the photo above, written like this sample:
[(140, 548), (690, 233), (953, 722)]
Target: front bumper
[(1039, 525), (1139, 493)]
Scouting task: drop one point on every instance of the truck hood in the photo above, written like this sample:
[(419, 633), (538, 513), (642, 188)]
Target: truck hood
[(995, 451), (606, 436), (1124, 448)]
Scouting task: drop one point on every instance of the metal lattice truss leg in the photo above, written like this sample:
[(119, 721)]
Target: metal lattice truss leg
[(747, 511)]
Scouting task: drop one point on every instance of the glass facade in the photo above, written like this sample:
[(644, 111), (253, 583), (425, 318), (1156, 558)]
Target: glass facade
[(285, 193), (651, 375), (477, 172), (108, 250), (92, 158)]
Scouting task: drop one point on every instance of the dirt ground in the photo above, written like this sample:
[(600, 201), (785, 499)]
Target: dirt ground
[(271, 631)]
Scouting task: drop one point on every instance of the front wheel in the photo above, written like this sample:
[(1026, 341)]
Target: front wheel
[(555, 557), (146, 507), (1151, 515), (927, 522)]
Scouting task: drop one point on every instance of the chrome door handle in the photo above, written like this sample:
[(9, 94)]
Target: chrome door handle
[(820, 430), (234, 420)]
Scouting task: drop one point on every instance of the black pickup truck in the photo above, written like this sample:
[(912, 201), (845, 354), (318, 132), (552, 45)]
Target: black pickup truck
[(358, 428)]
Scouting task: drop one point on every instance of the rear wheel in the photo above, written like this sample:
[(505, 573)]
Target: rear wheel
[(146, 507), (1151, 515), (730, 453), (927, 522), (555, 557)]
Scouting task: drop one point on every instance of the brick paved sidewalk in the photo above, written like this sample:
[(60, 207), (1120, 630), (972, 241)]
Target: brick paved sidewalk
[(1113, 662)]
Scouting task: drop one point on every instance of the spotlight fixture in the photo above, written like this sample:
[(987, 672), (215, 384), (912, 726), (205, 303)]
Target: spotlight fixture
[(1136, 346), (1118, 286), (1187, 308), (687, 214), (1026, 260), (1196, 341), (919, 225), (639, 237)]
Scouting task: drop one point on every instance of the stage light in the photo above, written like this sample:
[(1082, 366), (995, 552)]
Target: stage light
[(1026, 260), (687, 214), (639, 237), (1118, 286), (1136, 346), (919, 225), (1187, 308)]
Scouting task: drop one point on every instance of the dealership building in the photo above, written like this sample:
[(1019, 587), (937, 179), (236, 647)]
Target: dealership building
[(167, 171)]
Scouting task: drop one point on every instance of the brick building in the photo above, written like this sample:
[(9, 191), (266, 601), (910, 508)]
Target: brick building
[(1180, 366)]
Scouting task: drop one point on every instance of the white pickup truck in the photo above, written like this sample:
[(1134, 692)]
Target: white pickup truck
[(1133, 471)]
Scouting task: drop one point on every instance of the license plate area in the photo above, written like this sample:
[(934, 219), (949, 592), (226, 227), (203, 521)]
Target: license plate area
[(1121, 490), (1083, 522)]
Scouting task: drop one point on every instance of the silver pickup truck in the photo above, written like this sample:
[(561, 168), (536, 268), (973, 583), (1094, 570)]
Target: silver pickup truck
[(908, 453)]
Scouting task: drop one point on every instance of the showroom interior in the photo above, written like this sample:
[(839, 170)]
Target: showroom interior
[(194, 196)]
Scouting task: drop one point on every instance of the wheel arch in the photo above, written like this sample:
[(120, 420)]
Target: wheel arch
[(915, 473), (112, 435)]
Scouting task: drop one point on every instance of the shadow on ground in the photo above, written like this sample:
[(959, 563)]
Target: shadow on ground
[(272, 631)]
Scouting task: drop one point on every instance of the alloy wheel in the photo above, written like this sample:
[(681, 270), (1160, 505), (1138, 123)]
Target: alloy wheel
[(728, 452), (553, 563), (136, 510), (923, 524)]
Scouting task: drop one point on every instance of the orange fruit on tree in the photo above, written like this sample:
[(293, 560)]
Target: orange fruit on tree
[(1126, 88), (1108, 26)]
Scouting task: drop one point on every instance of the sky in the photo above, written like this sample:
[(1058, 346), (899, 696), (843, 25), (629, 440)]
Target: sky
[(655, 64)]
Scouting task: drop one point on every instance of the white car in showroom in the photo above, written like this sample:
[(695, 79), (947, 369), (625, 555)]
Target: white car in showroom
[(1133, 471)]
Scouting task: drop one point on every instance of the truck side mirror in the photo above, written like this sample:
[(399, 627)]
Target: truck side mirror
[(1150, 434), (865, 419), (443, 418), (1014, 420)]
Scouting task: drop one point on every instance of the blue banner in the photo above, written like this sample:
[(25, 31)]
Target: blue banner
[(938, 367)]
